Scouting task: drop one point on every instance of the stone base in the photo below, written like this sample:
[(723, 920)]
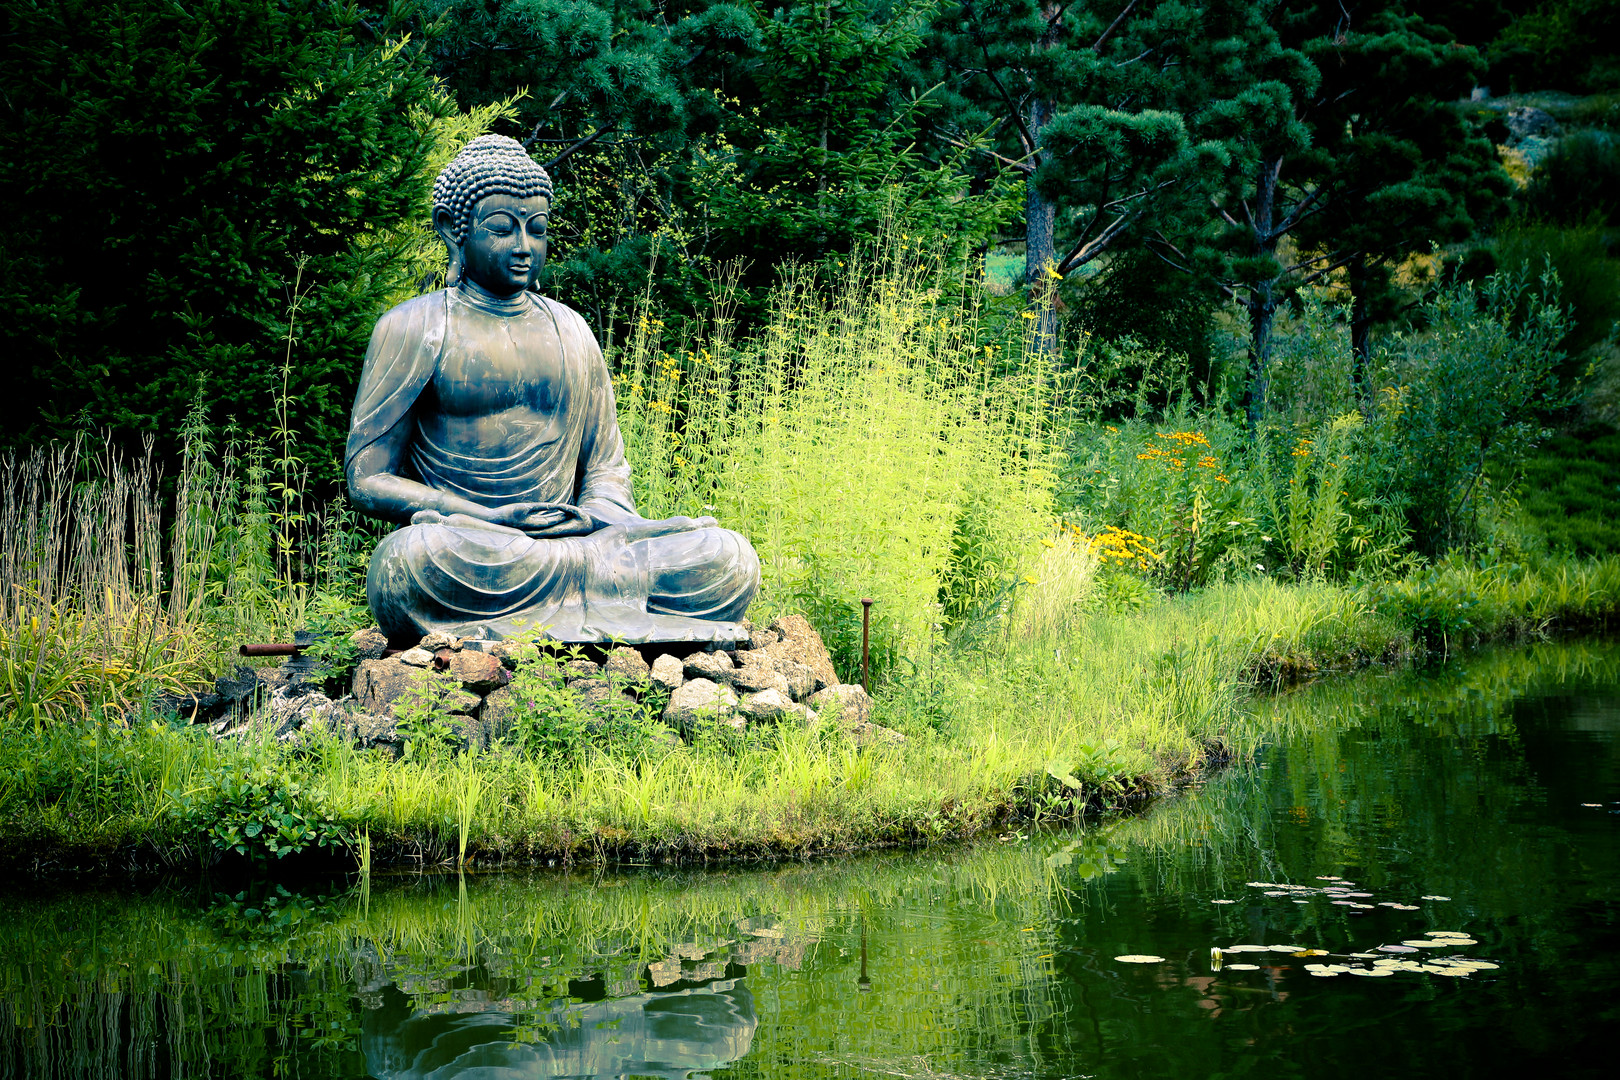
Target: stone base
[(779, 674)]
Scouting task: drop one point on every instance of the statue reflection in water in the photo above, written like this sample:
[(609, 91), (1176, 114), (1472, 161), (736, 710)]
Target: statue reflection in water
[(674, 1034)]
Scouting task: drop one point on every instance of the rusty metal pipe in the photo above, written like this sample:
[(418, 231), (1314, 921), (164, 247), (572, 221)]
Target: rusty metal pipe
[(279, 649), (866, 637)]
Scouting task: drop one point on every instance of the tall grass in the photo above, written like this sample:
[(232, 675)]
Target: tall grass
[(872, 440)]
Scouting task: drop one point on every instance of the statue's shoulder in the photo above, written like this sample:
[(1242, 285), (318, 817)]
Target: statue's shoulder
[(417, 311), (565, 315)]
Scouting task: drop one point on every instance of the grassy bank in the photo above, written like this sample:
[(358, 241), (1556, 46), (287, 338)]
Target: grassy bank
[(1076, 593), (1124, 704)]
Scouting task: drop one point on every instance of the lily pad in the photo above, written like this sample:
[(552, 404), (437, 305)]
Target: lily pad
[(1242, 967), (1223, 901), (1436, 898), (1139, 958), (1286, 948), (1424, 943), (1372, 972), (1246, 948), (1396, 948)]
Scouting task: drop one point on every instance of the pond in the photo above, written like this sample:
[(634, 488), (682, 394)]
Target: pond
[(1420, 877)]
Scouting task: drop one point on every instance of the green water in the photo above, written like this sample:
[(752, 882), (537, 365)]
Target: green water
[(994, 961)]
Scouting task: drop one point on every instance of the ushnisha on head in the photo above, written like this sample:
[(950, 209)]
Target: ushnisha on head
[(491, 205)]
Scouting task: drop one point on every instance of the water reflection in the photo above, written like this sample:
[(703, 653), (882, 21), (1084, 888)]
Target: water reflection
[(670, 1034)]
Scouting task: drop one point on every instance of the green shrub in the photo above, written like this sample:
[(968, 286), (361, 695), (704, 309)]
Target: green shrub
[(226, 140), (1571, 492), (552, 723), (258, 810), (1178, 492), (1578, 181), (1588, 279), (1460, 404)]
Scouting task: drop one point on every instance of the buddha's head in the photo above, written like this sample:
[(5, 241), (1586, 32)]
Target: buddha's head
[(490, 207)]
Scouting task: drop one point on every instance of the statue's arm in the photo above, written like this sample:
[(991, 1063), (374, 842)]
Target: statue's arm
[(377, 489), (400, 361)]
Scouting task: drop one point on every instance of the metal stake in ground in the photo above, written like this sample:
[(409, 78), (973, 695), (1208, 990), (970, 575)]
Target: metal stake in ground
[(866, 637)]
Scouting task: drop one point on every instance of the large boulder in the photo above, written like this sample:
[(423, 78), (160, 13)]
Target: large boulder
[(1529, 122), (668, 671), (848, 703), (801, 681), (580, 669), (758, 637), (802, 645), (379, 684), (600, 695), (702, 700), (626, 667), (774, 707), (291, 709), (435, 640), (477, 672), (756, 674), (714, 666), (498, 714), (850, 707), (369, 644), (512, 653)]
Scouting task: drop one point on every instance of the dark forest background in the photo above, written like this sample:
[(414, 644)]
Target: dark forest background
[(202, 198)]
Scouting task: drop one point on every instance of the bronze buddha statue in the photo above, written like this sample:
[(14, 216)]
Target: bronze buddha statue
[(485, 423)]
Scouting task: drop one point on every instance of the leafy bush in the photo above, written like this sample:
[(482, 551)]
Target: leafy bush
[(1588, 279), (1579, 181), (1170, 503), (553, 723), (258, 810), (1461, 404), (1571, 493)]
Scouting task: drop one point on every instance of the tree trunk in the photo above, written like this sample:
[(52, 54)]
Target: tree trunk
[(1262, 306), (1040, 213), (1040, 241)]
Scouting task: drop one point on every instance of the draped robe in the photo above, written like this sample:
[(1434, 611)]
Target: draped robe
[(522, 409)]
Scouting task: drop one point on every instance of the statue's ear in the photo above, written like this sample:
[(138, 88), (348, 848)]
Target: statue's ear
[(445, 227)]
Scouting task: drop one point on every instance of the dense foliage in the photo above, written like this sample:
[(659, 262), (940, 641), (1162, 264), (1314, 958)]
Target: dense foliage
[(1156, 166), (172, 178)]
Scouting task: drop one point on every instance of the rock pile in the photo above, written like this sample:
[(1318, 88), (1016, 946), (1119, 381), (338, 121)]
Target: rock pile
[(780, 674)]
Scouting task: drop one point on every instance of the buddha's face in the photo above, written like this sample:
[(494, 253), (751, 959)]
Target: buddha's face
[(506, 245)]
